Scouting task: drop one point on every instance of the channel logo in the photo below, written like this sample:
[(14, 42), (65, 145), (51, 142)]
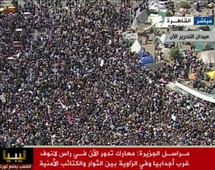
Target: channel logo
[(16, 156)]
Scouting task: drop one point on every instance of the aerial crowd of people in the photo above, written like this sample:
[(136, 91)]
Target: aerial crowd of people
[(73, 82)]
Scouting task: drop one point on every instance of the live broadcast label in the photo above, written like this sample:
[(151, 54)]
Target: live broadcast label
[(203, 20), (191, 36)]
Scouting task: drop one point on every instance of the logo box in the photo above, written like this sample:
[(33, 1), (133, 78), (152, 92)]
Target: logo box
[(16, 155)]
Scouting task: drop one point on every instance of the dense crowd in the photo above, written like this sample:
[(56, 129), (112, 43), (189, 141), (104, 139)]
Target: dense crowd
[(74, 83)]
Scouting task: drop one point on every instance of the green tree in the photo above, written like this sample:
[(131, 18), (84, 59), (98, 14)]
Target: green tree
[(184, 4), (168, 14), (205, 28), (175, 53), (15, 3)]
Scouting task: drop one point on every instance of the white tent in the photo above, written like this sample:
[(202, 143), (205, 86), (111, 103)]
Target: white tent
[(157, 21), (154, 18), (134, 24), (161, 41), (140, 18), (136, 47), (163, 38), (161, 25), (208, 57), (129, 36), (194, 12)]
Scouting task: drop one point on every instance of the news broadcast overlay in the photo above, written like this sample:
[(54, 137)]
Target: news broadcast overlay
[(108, 158), (180, 21), (16, 158), (191, 36), (189, 21)]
